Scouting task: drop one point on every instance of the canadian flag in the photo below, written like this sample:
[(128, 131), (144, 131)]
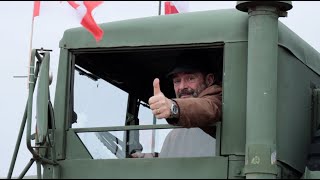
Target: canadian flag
[(173, 7), (83, 10)]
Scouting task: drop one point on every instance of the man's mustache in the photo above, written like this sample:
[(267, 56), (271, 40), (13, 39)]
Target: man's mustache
[(184, 92)]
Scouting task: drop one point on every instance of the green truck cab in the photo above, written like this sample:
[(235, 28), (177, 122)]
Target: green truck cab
[(270, 79)]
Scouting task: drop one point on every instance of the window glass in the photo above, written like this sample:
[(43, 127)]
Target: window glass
[(98, 103)]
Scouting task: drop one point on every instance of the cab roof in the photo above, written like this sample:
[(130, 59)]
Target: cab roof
[(225, 25)]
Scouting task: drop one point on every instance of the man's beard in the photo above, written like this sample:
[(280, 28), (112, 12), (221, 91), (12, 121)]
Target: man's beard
[(191, 92)]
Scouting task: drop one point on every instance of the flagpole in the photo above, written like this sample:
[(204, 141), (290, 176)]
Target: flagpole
[(159, 13), (34, 13), (30, 50), (153, 135)]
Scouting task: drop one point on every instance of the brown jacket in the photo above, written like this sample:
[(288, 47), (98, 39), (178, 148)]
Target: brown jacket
[(202, 111)]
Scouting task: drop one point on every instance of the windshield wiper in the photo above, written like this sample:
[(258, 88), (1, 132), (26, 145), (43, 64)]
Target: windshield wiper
[(89, 75)]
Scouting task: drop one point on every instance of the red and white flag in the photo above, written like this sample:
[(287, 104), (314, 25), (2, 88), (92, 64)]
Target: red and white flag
[(83, 10), (173, 7), (36, 8)]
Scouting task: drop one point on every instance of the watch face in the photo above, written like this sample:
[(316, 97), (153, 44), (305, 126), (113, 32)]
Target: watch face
[(175, 109)]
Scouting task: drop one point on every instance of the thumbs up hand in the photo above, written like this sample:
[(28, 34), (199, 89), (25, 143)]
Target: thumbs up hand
[(159, 104), (156, 86)]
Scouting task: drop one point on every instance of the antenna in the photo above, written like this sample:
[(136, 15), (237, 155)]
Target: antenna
[(20, 76)]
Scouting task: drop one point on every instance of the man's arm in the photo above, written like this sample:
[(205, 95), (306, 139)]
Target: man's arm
[(193, 112), (199, 112)]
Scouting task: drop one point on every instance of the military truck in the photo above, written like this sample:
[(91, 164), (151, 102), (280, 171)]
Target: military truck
[(270, 113)]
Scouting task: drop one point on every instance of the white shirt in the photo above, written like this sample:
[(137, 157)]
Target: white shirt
[(191, 142)]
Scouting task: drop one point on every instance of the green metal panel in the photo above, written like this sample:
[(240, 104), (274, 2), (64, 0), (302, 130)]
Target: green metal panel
[(75, 149), (300, 48), (61, 102), (294, 105), (295, 84), (47, 171), (185, 168), (236, 164), (234, 98)]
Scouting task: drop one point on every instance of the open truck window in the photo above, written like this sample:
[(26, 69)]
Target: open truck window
[(112, 88)]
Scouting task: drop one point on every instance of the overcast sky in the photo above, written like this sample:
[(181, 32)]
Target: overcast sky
[(15, 33)]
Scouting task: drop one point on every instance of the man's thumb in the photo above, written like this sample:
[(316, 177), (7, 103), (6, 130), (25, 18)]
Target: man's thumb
[(156, 86)]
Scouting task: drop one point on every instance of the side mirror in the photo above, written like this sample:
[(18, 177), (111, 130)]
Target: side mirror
[(42, 99)]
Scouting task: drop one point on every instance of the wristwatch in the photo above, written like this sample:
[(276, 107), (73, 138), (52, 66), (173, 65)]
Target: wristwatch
[(174, 110)]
